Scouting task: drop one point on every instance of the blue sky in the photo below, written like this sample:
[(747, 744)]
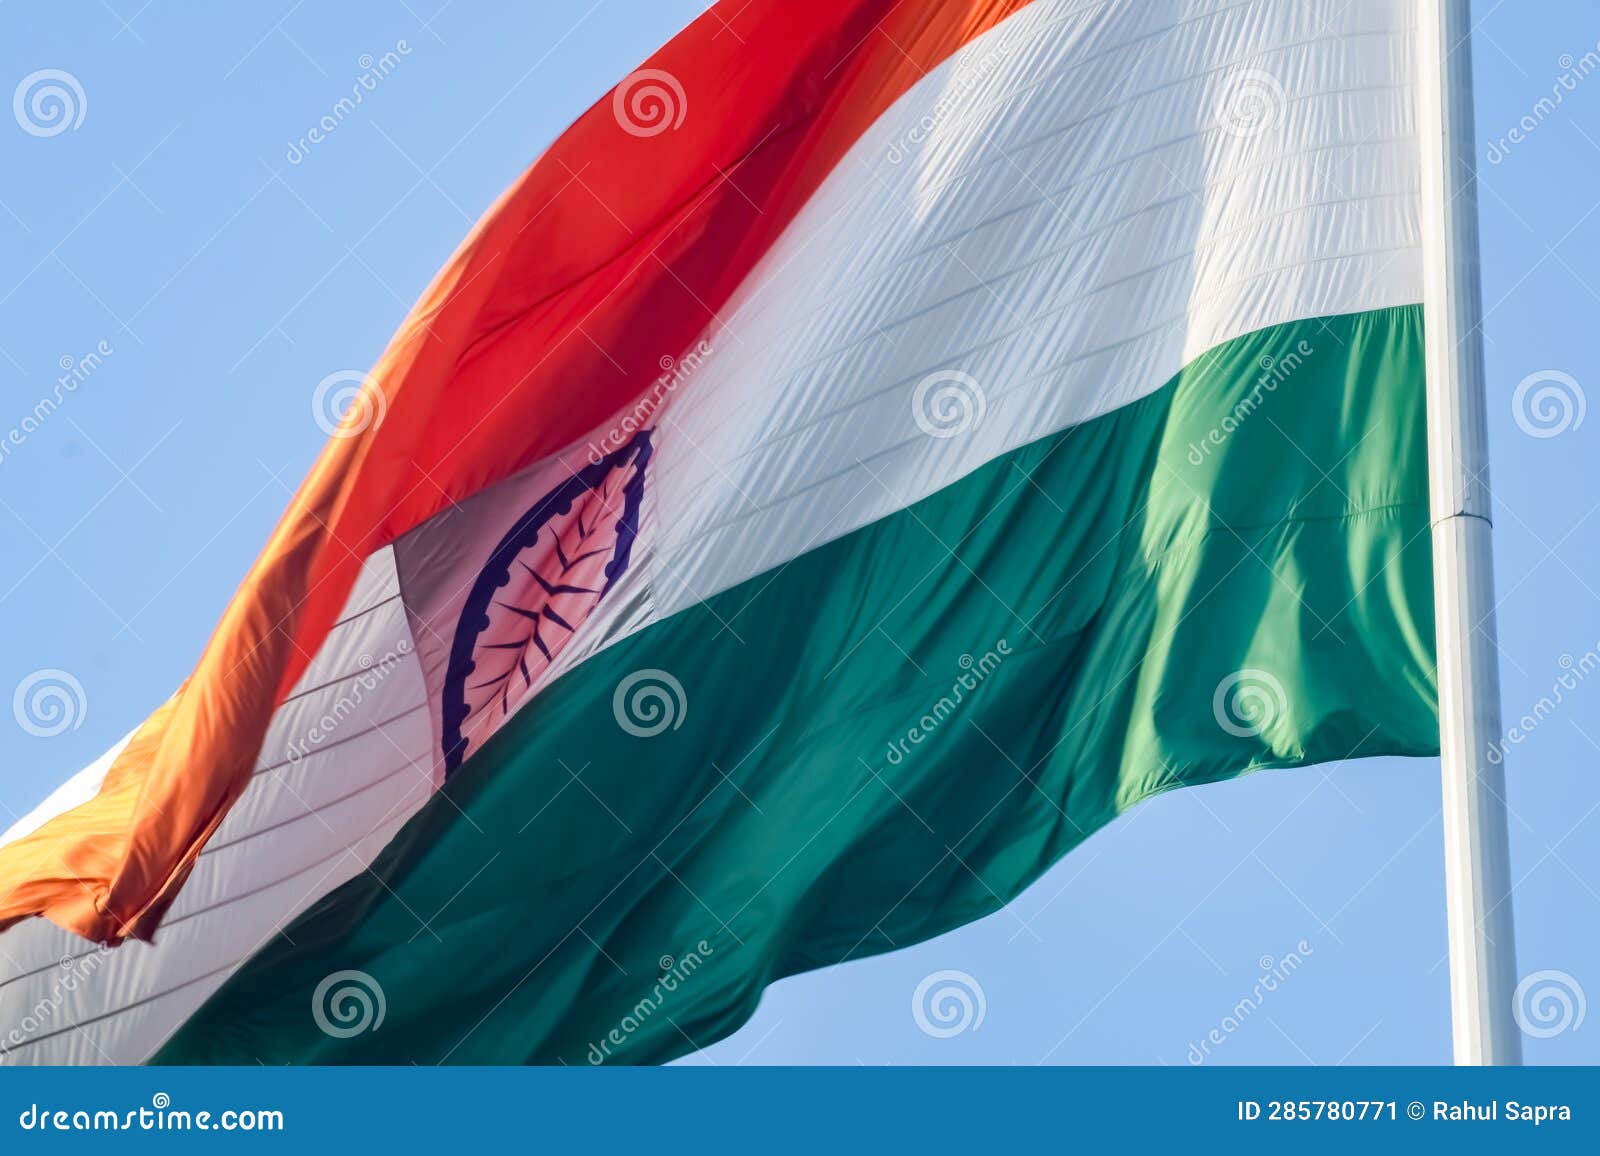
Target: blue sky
[(217, 272)]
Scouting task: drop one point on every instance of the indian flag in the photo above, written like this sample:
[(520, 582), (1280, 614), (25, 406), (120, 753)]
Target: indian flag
[(878, 444)]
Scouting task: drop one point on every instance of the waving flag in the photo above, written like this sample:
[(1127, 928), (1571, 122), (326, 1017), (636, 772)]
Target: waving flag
[(879, 443)]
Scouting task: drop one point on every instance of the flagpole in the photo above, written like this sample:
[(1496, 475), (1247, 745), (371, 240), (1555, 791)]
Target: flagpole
[(1477, 866)]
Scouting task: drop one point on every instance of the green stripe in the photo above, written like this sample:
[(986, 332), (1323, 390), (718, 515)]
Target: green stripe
[(899, 731)]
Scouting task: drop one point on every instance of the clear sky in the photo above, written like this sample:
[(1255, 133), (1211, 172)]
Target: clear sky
[(218, 271)]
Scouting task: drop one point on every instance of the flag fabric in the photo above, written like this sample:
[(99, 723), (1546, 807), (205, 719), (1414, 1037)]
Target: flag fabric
[(878, 444)]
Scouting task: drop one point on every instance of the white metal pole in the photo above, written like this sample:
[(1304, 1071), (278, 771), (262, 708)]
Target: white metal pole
[(1477, 867)]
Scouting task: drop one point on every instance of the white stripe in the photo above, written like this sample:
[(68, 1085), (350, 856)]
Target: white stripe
[(347, 760), (1058, 213)]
